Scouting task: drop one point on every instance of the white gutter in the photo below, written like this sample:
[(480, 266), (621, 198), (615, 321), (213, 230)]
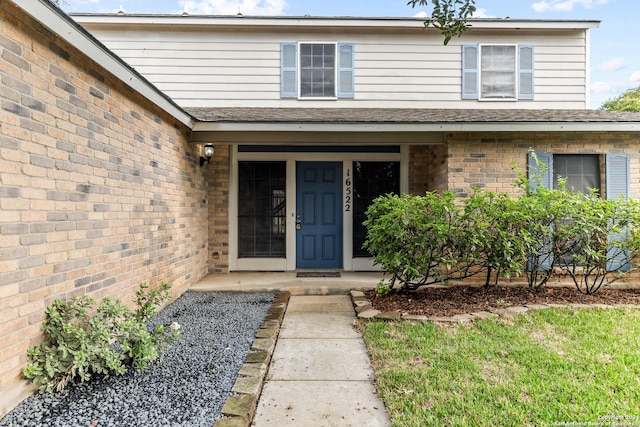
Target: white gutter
[(54, 19), (315, 22), (420, 127)]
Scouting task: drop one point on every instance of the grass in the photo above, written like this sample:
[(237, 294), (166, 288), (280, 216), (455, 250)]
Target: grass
[(547, 367)]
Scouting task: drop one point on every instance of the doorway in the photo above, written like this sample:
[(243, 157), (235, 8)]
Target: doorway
[(319, 225)]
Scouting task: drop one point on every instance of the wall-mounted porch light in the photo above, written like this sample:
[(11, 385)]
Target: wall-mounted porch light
[(208, 154)]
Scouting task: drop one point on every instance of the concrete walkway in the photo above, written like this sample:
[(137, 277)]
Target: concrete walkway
[(319, 373)]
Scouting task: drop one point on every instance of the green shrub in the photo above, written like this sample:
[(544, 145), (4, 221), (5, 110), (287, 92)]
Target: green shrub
[(421, 240), (81, 341), (494, 226), (602, 240), (424, 240), (591, 239)]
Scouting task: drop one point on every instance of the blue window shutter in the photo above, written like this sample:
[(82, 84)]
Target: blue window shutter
[(469, 71), (345, 70), (289, 70), (618, 179), (617, 176), (542, 171), (525, 72)]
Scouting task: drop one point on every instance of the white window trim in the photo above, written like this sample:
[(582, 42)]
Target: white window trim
[(515, 73), (335, 73)]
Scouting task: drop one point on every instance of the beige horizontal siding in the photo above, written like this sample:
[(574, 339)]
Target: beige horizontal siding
[(205, 68)]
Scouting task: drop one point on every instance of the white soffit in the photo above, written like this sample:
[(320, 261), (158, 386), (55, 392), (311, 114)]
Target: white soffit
[(419, 127)]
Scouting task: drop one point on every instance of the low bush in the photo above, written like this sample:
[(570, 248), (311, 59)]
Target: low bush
[(419, 240), (599, 239), (424, 240), (81, 341)]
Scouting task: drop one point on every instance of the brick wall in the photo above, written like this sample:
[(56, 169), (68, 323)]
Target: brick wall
[(428, 168), (218, 187), (419, 169), (99, 190), (485, 160)]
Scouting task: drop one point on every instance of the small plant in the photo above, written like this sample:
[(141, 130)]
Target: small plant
[(502, 303), (81, 342), (383, 288)]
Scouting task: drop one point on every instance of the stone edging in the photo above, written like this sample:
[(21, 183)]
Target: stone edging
[(238, 410), (365, 310)]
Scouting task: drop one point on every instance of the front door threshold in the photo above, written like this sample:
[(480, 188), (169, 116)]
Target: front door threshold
[(318, 274)]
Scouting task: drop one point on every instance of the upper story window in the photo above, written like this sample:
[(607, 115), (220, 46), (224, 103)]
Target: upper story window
[(316, 70), (497, 72)]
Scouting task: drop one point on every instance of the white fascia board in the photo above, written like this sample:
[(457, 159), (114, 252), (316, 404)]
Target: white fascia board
[(587, 87), (419, 127), (54, 19), (342, 22)]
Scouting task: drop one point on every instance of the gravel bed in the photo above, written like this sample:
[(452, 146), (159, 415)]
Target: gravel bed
[(186, 387)]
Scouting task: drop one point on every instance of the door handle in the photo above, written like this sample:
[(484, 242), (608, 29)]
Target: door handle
[(298, 222)]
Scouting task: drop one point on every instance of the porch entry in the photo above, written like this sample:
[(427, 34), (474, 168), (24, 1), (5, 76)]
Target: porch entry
[(327, 188), (319, 227)]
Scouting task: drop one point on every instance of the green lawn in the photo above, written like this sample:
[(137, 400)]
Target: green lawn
[(546, 367)]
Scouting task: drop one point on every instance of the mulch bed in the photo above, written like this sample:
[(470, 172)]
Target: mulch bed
[(464, 299)]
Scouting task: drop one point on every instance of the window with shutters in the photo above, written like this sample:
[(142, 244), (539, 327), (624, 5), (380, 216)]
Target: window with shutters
[(316, 70), (497, 72), (583, 172)]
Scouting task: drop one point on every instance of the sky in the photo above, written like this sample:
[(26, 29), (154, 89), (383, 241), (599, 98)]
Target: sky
[(615, 57)]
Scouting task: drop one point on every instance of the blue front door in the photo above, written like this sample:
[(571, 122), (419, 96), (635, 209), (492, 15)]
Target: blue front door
[(319, 213)]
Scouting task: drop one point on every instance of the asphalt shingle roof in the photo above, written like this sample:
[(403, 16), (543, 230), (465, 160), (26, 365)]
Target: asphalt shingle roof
[(407, 115)]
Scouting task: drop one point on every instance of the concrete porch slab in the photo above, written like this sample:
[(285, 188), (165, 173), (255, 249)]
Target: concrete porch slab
[(287, 281)]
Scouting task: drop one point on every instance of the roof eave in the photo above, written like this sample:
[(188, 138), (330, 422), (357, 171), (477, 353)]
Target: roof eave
[(314, 21), (418, 127), (64, 27)]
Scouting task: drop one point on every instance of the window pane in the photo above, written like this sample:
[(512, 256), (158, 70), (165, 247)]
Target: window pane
[(582, 172), (261, 209), (498, 71), (370, 180), (317, 70)]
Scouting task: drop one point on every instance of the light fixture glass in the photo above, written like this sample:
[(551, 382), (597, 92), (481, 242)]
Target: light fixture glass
[(208, 154), (208, 151)]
